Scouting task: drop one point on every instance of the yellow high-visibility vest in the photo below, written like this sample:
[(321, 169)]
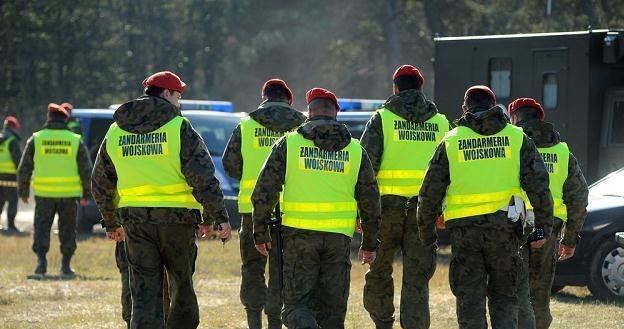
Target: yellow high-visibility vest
[(56, 164), (148, 167), (484, 171), (408, 147), (556, 159), (6, 161), (319, 189), (256, 143)]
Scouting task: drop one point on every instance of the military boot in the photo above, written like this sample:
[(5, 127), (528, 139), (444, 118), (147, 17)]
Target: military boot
[(274, 323), (65, 268), (384, 324), (12, 228), (254, 319), (42, 263)]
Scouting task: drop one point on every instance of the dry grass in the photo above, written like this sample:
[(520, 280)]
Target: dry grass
[(92, 300)]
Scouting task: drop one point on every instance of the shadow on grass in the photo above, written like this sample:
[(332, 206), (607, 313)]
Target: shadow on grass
[(60, 277), (569, 298)]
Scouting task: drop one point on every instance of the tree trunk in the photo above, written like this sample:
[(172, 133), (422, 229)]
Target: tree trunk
[(392, 35)]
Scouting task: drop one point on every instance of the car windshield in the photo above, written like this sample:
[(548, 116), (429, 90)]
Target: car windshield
[(611, 185), (215, 130)]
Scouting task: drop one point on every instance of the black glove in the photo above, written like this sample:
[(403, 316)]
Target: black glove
[(536, 235)]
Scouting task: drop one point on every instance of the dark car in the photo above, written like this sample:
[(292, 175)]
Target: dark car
[(598, 262), (214, 127)]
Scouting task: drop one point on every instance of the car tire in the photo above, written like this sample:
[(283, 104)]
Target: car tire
[(555, 289), (606, 276)]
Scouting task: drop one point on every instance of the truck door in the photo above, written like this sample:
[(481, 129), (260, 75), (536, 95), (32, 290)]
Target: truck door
[(550, 85), (612, 141)]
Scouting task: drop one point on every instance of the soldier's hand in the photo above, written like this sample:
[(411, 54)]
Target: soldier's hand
[(225, 232), (366, 257), (565, 252), (358, 226), (24, 199), (264, 248), (205, 230), (84, 202), (118, 235), (538, 244)]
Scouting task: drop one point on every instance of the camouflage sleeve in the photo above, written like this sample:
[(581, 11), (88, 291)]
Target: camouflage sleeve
[(84, 170), (575, 194), (266, 193), (25, 169), (369, 204), (199, 172), (431, 195), (373, 140), (104, 188), (16, 152), (534, 180), (232, 156)]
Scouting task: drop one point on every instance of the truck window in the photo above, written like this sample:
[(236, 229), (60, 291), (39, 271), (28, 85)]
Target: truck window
[(97, 131), (617, 133), (549, 90), (500, 76)]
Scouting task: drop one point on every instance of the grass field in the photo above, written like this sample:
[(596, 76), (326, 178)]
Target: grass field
[(92, 299)]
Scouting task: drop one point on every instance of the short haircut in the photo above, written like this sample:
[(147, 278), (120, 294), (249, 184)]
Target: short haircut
[(479, 98), (322, 106), (154, 91), (275, 91), (527, 113), (405, 82)]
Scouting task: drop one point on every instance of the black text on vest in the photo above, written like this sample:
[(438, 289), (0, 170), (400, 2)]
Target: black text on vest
[(550, 159), (483, 148), (315, 158), (142, 144), (415, 131)]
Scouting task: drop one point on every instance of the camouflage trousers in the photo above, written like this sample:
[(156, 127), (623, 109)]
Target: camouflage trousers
[(9, 195), (126, 299), (45, 209), (419, 264), (254, 293), (485, 264), (526, 317), (149, 247), (541, 273), (316, 279)]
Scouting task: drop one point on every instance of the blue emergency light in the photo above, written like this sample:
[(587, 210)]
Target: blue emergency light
[(354, 104)]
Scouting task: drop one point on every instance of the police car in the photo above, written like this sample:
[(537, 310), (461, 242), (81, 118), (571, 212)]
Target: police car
[(214, 121)]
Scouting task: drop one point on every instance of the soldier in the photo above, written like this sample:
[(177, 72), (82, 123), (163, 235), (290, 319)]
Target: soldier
[(327, 178), (10, 154), (248, 148), (569, 191), (73, 124), (410, 124), (61, 168), (154, 175), (479, 171)]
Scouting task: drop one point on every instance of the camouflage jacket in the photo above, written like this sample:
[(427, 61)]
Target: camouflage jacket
[(533, 179), (14, 149), (575, 190), (27, 164), (327, 134), (275, 115), (144, 115)]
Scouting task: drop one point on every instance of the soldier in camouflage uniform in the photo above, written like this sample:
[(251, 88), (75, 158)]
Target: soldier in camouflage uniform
[(316, 263), (47, 199), (408, 106), (529, 115), (275, 114), (485, 261), (10, 154), (158, 223)]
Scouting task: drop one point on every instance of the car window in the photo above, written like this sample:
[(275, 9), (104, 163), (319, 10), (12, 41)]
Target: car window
[(97, 131), (609, 186), (215, 130)]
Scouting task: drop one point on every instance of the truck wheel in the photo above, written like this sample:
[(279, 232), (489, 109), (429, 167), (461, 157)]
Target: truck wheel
[(606, 275)]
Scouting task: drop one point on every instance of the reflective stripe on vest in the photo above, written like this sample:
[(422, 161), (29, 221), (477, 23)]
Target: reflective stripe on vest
[(319, 189), (56, 164), (148, 167), (556, 159), (484, 171), (6, 161), (408, 147), (256, 143)]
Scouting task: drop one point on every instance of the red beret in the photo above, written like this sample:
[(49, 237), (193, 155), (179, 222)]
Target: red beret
[(166, 80), (278, 82), (55, 108), (409, 70), (481, 88), (315, 93), (525, 102), (12, 122), (68, 107)]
